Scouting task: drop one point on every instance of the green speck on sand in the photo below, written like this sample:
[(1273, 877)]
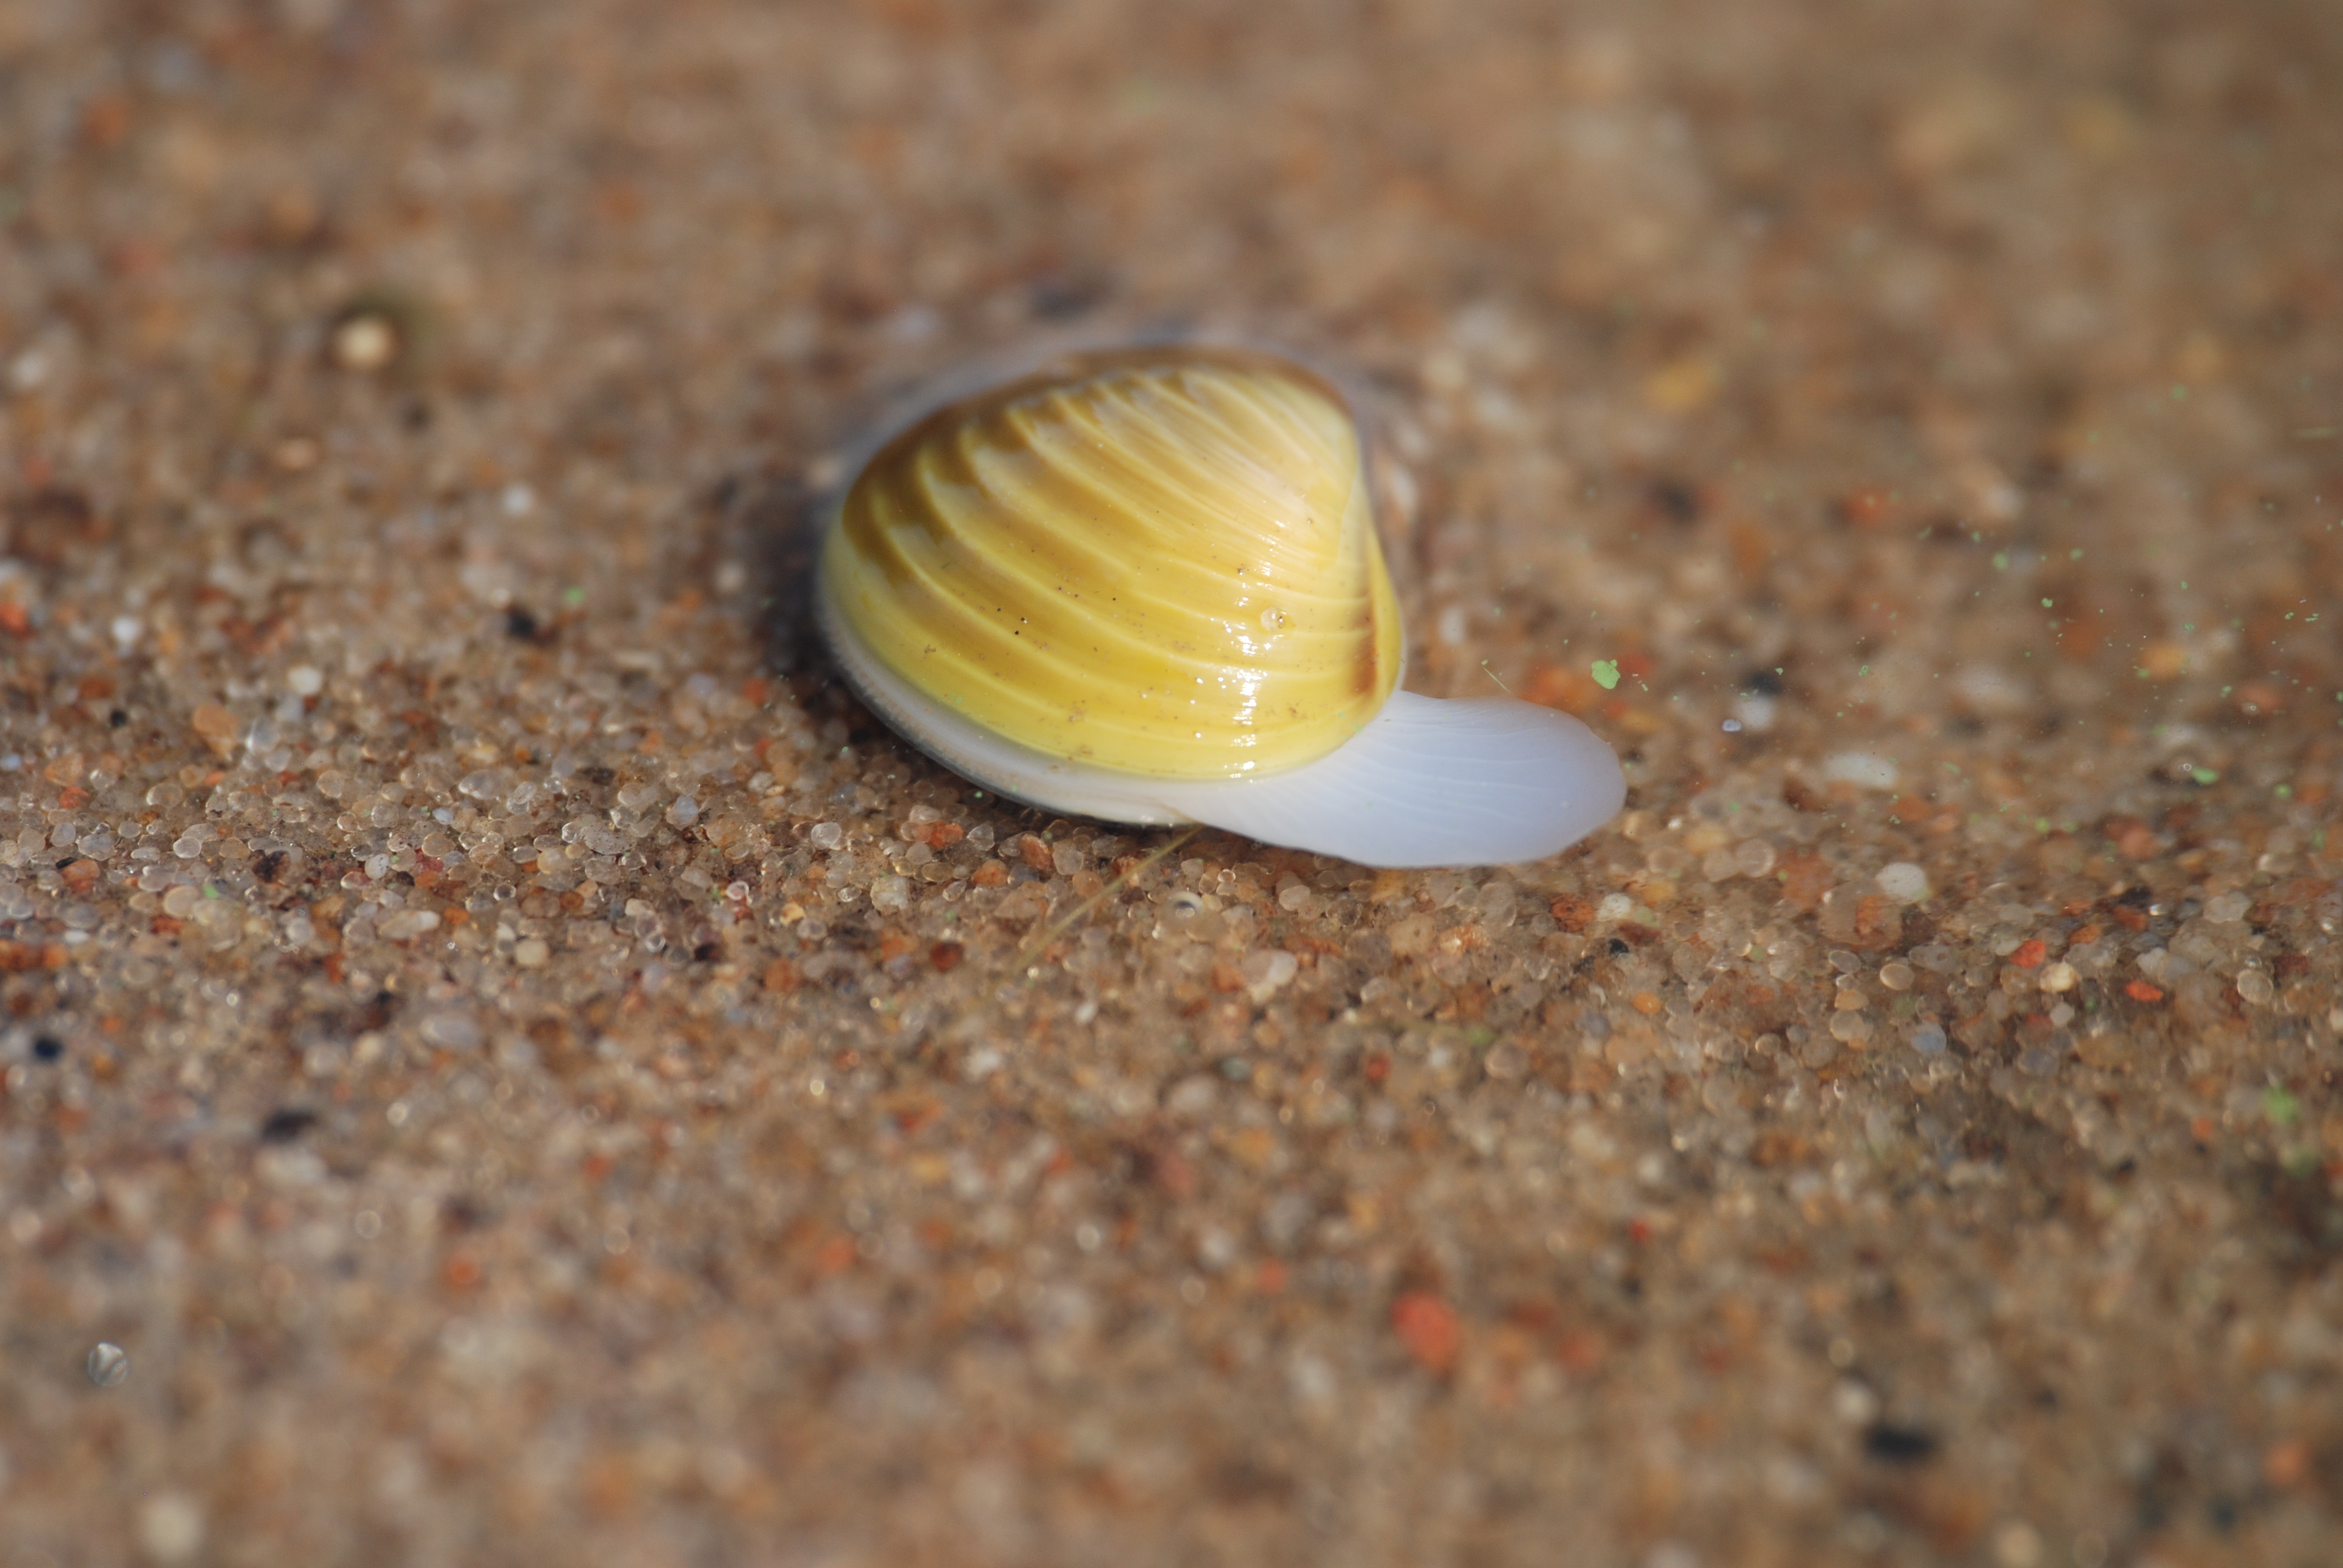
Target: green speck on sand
[(1606, 673)]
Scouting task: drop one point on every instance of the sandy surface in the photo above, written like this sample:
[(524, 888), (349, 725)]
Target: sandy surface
[(526, 1071)]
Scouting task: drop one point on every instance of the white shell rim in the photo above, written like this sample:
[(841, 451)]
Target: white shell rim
[(1426, 782)]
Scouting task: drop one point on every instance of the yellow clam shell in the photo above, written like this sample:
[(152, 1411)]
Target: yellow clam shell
[(1162, 564)]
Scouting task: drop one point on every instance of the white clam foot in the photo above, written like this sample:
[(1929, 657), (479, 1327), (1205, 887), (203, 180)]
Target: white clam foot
[(1472, 781), (1467, 781)]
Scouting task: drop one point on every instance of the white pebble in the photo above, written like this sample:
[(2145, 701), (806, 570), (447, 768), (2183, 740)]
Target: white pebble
[(1864, 770), (1191, 1098), (455, 1030), (1993, 692), (1853, 1403), (1266, 973), (170, 1527), (305, 680), (1903, 881), (2228, 908), (408, 924)]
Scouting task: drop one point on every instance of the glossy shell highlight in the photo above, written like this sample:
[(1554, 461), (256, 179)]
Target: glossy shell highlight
[(1147, 586), (1166, 565)]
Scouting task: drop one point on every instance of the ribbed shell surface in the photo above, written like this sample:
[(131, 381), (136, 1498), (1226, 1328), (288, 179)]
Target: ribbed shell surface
[(1163, 563)]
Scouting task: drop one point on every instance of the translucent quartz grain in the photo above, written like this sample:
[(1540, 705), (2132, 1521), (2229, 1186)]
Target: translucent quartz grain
[(1851, 1027), (2227, 909), (106, 1365)]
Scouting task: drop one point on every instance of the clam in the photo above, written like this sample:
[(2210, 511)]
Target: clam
[(1147, 586)]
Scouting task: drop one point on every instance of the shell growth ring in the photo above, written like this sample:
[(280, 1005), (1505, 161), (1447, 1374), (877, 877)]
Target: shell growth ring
[(1147, 587)]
